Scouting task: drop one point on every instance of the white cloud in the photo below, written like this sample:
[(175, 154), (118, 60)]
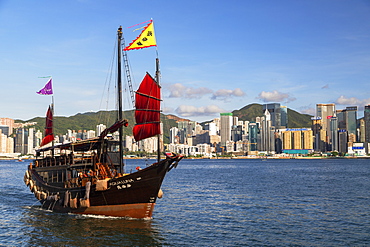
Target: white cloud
[(191, 111), (275, 96), (342, 100), (224, 94), (308, 110), (180, 91)]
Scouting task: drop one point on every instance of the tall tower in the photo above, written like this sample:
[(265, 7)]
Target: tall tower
[(351, 123), (367, 127), (275, 111), (226, 125), (253, 136), (267, 133), (325, 112), (284, 116)]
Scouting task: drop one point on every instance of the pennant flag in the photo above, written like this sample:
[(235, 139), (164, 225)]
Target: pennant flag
[(144, 40), (48, 88)]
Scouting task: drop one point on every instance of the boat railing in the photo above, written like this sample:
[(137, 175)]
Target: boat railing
[(63, 160)]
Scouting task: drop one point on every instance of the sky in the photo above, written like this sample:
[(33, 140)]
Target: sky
[(215, 56)]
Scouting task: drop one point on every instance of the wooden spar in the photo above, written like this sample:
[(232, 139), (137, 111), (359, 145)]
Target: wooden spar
[(119, 98), (158, 136)]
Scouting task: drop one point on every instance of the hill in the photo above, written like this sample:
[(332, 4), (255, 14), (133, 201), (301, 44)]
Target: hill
[(295, 119), (89, 120)]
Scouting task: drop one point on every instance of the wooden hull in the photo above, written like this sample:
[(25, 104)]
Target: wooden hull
[(133, 195)]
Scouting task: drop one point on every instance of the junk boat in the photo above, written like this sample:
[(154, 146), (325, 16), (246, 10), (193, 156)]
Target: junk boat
[(87, 177)]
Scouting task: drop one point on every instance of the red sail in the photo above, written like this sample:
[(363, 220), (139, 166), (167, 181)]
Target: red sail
[(148, 106), (49, 136)]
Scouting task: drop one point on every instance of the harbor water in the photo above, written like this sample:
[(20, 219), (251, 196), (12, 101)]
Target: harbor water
[(211, 203)]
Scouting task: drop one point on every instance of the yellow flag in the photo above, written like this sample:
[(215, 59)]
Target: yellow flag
[(145, 39)]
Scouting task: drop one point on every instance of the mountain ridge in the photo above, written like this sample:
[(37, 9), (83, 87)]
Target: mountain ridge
[(89, 120)]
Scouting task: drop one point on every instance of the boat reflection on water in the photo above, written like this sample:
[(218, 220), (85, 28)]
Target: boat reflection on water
[(46, 228)]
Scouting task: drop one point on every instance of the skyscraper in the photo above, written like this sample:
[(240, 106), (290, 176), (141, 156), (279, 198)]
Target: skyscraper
[(367, 126), (351, 123), (226, 125), (253, 135), (325, 112), (284, 116), (275, 112)]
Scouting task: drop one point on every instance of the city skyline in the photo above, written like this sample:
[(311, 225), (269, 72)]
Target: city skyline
[(332, 130), (215, 57)]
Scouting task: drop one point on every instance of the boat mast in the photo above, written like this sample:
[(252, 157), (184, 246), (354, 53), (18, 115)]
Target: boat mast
[(157, 75), (119, 98)]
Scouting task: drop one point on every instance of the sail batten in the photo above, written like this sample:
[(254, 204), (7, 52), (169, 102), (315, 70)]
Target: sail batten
[(148, 109)]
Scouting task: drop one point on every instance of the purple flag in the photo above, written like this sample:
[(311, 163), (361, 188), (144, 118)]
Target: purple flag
[(47, 90)]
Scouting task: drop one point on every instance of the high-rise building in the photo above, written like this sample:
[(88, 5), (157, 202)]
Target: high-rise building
[(367, 123), (351, 123), (21, 139), (325, 112), (297, 139), (347, 120), (99, 129), (8, 122), (226, 126), (267, 133), (275, 111), (174, 138), (253, 136), (284, 117), (333, 137)]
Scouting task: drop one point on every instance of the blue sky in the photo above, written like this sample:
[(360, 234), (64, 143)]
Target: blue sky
[(216, 56)]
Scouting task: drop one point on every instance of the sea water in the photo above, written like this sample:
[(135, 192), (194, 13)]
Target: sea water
[(211, 203)]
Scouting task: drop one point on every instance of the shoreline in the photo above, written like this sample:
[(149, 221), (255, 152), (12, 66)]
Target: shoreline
[(228, 158)]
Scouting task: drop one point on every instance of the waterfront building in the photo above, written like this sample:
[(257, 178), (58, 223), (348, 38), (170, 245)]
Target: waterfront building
[(3, 141), (174, 135), (347, 120), (284, 116), (21, 138), (31, 140), (367, 123), (300, 140), (333, 137), (90, 134), (351, 123), (267, 133), (236, 133), (361, 132), (342, 141), (325, 112), (226, 121), (7, 122), (275, 111), (357, 149), (5, 130), (287, 139), (100, 128), (307, 139), (253, 136), (212, 128)]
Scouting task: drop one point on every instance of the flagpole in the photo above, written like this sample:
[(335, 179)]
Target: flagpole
[(52, 111), (157, 75)]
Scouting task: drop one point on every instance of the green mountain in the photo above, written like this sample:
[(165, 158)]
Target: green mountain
[(295, 119), (89, 120)]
